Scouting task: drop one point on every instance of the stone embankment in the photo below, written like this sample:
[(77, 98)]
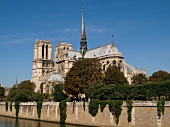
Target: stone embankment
[(144, 114)]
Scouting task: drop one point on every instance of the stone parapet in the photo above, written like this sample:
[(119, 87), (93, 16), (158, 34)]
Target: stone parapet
[(144, 114)]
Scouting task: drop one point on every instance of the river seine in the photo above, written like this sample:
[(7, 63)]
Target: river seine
[(13, 122)]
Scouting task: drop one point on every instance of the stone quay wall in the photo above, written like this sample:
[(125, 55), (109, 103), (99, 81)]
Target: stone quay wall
[(144, 114)]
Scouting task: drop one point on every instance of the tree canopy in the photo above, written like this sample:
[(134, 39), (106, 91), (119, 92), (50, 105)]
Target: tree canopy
[(159, 76), (139, 79), (24, 92), (82, 75), (58, 93), (148, 91), (2, 92), (114, 76), (26, 85)]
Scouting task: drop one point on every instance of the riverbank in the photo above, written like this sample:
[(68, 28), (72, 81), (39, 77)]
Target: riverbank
[(6, 121), (144, 113)]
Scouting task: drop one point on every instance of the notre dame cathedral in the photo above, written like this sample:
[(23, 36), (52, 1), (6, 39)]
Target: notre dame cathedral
[(46, 72)]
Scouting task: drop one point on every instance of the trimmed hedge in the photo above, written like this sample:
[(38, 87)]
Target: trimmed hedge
[(150, 91)]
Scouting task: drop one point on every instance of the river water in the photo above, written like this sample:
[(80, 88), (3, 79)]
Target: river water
[(13, 122)]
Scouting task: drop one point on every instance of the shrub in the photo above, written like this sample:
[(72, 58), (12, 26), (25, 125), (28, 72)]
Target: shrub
[(93, 107), (118, 109), (17, 108), (6, 104), (103, 105), (39, 106), (84, 105), (115, 108), (10, 106), (129, 111), (63, 115), (159, 109)]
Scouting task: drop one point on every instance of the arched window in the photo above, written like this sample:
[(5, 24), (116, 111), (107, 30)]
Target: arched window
[(104, 67), (46, 51), (114, 62), (43, 51)]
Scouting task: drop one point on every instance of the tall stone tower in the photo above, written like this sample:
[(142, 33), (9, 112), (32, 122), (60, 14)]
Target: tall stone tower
[(42, 62), (83, 42)]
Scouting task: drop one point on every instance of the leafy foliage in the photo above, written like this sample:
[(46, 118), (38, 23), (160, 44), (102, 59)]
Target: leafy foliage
[(111, 106), (114, 76), (93, 107), (2, 92), (26, 86), (25, 92), (39, 106), (163, 106), (115, 108), (12, 93), (118, 109), (58, 93), (126, 92), (160, 107), (159, 76), (84, 73), (17, 108), (10, 106), (103, 104), (84, 105), (101, 91), (74, 103), (139, 79), (6, 105), (23, 96), (63, 115), (129, 111)]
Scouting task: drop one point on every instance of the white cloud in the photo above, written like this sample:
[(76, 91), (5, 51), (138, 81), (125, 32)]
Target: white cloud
[(15, 38), (98, 30), (67, 30)]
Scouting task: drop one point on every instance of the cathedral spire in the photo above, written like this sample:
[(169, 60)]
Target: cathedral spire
[(83, 25), (83, 43), (16, 80)]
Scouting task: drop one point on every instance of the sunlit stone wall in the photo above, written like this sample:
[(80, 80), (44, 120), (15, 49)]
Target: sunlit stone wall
[(144, 114)]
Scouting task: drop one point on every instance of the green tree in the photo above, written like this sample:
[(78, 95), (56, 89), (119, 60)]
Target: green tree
[(58, 93), (114, 76), (12, 93), (139, 79), (25, 92), (2, 92), (159, 76), (26, 85), (82, 75), (23, 96)]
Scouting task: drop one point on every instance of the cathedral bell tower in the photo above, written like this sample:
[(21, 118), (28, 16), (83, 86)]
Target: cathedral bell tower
[(42, 62), (83, 43)]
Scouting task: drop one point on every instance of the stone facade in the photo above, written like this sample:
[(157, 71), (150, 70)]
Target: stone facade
[(42, 64), (65, 56), (144, 114)]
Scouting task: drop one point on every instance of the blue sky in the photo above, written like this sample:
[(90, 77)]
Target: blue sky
[(141, 30)]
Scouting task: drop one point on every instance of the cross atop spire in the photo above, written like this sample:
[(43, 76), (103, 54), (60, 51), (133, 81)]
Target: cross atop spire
[(83, 43)]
